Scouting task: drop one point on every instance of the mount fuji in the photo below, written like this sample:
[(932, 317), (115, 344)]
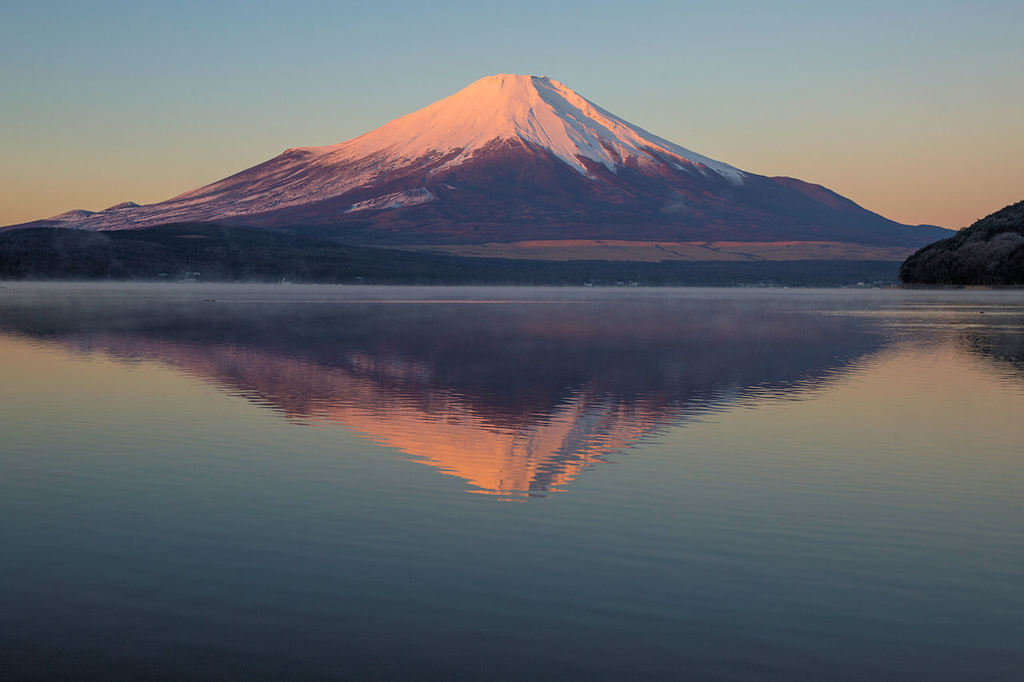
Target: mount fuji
[(524, 166)]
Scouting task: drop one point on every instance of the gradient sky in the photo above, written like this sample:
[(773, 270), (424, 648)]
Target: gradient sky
[(913, 109)]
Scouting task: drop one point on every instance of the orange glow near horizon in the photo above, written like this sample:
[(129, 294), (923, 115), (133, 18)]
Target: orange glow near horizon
[(909, 109), (917, 184)]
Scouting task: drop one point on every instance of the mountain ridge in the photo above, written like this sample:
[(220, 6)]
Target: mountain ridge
[(507, 159)]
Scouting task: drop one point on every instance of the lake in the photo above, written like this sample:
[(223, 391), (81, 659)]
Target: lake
[(329, 482)]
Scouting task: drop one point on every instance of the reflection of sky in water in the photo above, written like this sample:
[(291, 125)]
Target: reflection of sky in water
[(815, 482), (514, 396)]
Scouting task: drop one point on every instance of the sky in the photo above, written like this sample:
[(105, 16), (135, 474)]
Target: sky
[(913, 109)]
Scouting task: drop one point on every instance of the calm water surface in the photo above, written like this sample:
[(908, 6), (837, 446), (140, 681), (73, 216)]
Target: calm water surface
[(226, 482)]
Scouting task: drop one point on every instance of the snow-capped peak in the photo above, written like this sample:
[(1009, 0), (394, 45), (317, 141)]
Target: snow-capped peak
[(534, 109)]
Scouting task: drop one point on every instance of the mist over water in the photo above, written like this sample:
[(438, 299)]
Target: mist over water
[(217, 481)]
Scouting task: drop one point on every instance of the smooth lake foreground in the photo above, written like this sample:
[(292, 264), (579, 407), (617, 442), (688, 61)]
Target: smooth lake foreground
[(216, 482)]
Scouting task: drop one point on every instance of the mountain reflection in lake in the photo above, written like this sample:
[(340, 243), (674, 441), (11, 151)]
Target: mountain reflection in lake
[(226, 482), (515, 395)]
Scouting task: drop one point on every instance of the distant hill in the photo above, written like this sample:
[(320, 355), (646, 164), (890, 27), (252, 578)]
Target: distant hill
[(989, 252), (213, 252)]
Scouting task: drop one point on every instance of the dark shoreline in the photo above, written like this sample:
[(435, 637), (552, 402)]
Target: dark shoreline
[(213, 253)]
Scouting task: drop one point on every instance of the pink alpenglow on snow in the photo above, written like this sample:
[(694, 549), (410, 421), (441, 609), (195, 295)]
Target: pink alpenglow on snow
[(507, 159)]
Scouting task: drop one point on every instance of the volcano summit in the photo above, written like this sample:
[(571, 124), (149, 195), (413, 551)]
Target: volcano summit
[(523, 166)]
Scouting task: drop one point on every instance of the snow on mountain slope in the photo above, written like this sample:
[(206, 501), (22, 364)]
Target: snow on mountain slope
[(534, 109), (531, 110), (513, 159)]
